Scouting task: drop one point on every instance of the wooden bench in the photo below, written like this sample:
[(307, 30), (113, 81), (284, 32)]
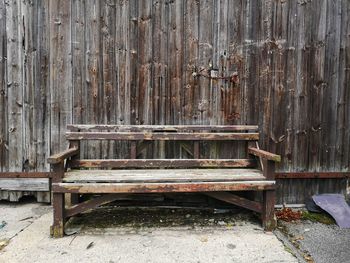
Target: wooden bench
[(111, 178)]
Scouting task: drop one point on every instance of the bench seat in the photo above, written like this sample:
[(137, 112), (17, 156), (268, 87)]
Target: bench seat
[(162, 175), (162, 187)]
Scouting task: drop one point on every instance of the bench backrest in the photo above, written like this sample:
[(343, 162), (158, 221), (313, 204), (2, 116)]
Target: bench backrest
[(136, 133)]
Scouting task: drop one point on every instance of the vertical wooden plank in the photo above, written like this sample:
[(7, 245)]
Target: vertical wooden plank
[(346, 143), (109, 103), (145, 103), (221, 56), (279, 92), (122, 58), (191, 52), (205, 66), (291, 77), (301, 95), (175, 56), (14, 32), (29, 82), (231, 98), (175, 64), (301, 92), (3, 90), (134, 49), (219, 86), (60, 72), (316, 96), (205, 57), (78, 52), (41, 88), (93, 69), (79, 84), (341, 131), (318, 83), (331, 91), (160, 55)]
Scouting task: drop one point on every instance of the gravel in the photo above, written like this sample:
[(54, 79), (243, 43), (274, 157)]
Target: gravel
[(324, 243)]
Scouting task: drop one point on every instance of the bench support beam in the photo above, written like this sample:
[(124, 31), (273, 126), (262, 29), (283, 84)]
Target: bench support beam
[(91, 204), (236, 200)]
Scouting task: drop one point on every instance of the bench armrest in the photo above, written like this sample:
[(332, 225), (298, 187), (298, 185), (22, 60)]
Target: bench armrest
[(264, 154), (60, 157)]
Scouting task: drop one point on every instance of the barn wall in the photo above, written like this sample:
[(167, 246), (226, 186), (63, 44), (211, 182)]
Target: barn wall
[(133, 62)]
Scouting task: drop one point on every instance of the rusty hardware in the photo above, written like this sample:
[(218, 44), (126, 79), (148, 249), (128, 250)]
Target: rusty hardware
[(233, 78)]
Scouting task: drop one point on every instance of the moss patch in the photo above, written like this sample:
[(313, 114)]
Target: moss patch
[(318, 217)]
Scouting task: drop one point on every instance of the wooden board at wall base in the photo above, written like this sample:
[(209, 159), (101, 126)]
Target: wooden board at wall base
[(24, 184)]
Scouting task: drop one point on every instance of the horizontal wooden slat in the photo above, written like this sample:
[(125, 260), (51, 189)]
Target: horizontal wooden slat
[(312, 175), (161, 175), (164, 136), (264, 154), (163, 163), (161, 187), (25, 184), (60, 157), (25, 175), (142, 128)]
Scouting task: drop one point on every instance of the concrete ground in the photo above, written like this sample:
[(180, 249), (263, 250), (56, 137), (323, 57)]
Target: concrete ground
[(24, 234)]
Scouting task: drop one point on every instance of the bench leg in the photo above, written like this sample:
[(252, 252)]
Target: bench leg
[(57, 229), (268, 210)]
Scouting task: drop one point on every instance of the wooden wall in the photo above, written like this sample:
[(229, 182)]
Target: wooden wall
[(132, 62)]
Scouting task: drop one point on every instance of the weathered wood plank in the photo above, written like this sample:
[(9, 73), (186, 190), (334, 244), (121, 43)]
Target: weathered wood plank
[(236, 200), (15, 82), (144, 41), (162, 175), (24, 184), (191, 52), (161, 187), (93, 73), (91, 204), (160, 136), (41, 89), (163, 163), (60, 157), (312, 175), (264, 154), (139, 128), (25, 175), (60, 72), (4, 159), (175, 60)]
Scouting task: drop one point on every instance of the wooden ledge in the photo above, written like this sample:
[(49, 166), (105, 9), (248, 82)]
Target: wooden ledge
[(60, 157), (264, 154)]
